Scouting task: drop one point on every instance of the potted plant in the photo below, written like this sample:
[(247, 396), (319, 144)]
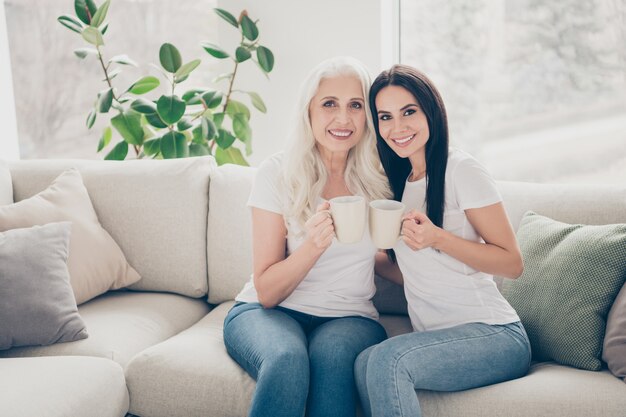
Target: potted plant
[(201, 121)]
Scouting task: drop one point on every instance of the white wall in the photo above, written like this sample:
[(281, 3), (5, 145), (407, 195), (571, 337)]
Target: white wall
[(8, 133), (301, 34)]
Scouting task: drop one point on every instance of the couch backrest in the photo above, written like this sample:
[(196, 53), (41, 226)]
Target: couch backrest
[(155, 210), (229, 231), (6, 188)]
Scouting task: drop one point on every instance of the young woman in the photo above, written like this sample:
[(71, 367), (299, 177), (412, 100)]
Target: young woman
[(300, 322), (455, 236)]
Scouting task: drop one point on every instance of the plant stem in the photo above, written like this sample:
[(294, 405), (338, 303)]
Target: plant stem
[(232, 80)]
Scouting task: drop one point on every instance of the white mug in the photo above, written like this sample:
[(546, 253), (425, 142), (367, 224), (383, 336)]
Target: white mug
[(348, 214), (385, 221)]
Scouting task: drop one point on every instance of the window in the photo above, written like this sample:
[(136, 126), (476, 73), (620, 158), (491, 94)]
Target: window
[(54, 90), (536, 90)]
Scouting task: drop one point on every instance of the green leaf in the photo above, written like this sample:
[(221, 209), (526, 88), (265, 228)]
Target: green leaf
[(234, 107), (224, 139), (180, 80), (184, 124), (196, 149), (123, 59), (152, 147), (218, 119), (85, 9), (83, 52), (226, 16), (215, 100), (171, 109), (70, 23), (101, 14), (225, 76), (104, 28), (186, 69), (241, 128), (154, 120), (105, 100), (143, 85), (190, 94), (256, 100), (144, 106), (128, 124), (174, 145), (93, 36), (91, 118), (242, 54), (208, 128), (107, 134), (196, 135), (118, 153), (215, 50), (231, 155), (248, 28), (170, 58), (266, 58)]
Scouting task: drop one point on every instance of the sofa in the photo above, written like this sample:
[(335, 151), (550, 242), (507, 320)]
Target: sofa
[(156, 347)]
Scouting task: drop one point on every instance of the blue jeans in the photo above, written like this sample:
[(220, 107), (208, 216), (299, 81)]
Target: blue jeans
[(299, 361), (459, 358)]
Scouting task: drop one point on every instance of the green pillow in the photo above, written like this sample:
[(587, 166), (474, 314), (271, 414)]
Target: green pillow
[(572, 274)]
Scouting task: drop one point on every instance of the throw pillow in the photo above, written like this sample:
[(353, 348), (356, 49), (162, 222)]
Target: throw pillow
[(6, 187), (572, 274), (614, 353), (96, 263), (37, 304)]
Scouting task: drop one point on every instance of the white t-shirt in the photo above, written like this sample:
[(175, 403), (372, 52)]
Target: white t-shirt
[(442, 291), (341, 283)]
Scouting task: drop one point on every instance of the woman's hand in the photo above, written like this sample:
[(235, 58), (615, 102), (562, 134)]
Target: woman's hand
[(418, 232), (319, 228)]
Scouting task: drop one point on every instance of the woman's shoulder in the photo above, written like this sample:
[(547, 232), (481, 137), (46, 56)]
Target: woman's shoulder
[(272, 166), (461, 163)]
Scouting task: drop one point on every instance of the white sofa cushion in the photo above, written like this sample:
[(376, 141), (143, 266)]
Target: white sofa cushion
[(229, 234), (62, 387), (190, 375), (156, 211), (123, 323), (6, 188)]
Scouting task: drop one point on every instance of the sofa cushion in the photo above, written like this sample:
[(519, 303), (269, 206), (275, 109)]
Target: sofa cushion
[(548, 390), (229, 242), (156, 210), (96, 263), (123, 323), (37, 304), (614, 352), (190, 374), (571, 276), (62, 387), (6, 188)]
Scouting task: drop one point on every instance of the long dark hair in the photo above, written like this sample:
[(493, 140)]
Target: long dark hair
[(398, 169)]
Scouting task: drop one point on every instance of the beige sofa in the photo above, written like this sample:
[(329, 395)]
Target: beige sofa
[(157, 349)]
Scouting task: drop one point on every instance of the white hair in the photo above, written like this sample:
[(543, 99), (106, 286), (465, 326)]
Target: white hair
[(304, 172)]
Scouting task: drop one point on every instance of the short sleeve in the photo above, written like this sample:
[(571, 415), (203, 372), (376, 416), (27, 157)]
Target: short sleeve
[(473, 185), (265, 193)]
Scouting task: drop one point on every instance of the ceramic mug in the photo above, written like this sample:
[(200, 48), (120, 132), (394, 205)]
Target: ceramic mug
[(348, 214), (385, 222)]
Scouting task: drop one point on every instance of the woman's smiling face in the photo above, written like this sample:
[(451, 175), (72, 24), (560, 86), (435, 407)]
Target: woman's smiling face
[(337, 113), (401, 121)]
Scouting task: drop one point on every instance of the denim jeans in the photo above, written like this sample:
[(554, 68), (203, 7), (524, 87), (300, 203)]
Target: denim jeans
[(454, 359), (299, 361)]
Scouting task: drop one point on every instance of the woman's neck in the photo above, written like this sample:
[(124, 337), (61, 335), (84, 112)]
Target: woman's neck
[(335, 162), (418, 166)]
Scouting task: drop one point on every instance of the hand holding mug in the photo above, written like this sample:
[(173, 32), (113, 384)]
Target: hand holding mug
[(418, 232), (319, 228)]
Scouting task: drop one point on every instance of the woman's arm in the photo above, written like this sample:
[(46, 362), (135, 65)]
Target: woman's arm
[(499, 255), (275, 275), (387, 269)]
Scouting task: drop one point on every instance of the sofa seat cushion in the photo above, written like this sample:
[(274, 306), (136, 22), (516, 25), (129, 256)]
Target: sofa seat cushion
[(62, 386), (190, 374), (123, 323), (548, 390)]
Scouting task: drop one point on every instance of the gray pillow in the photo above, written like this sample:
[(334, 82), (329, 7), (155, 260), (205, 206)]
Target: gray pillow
[(6, 187), (37, 304), (614, 353)]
